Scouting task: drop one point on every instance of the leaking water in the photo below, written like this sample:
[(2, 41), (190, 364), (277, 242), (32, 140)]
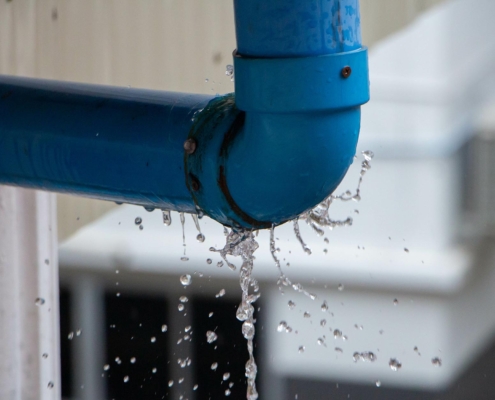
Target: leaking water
[(167, 219), (242, 243)]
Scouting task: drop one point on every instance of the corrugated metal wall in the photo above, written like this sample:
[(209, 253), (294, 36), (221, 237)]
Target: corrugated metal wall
[(162, 44)]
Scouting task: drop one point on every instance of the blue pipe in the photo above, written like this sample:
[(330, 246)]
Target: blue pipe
[(301, 76), (297, 28), (276, 149), (109, 143)]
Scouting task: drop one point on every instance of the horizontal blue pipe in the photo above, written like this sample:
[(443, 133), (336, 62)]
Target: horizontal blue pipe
[(109, 143)]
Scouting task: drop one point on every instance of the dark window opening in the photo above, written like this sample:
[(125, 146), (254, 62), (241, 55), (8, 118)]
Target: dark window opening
[(229, 351), (131, 323)]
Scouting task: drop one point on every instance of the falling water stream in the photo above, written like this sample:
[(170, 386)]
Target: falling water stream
[(242, 243)]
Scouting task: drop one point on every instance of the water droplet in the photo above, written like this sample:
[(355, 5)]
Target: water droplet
[(45, 355), (396, 302), (138, 221), (180, 307), (211, 336), (227, 392), (231, 384), (301, 349), (153, 339), (214, 366), (282, 326), (436, 362), (229, 70), (47, 261), (324, 306), (195, 387), (167, 218), (183, 299), (184, 258), (378, 383), (126, 378), (337, 334), (406, 249), (118, 361), (341, 287), (368, 155), (312, 296), (187, 328), (208, 261), (339, 350), (78, 332), (170, 383), (39, 301), (323, 322), (51, 385), (307, 314), (200, 237), (220, 264), (185, 280), (141, 227), (365, 356), (326, 240), (210, 315), (154, 370), (394, 364), (226, 376), (164, 328), (106, 367), (221, 293), (320, 341), (291, 305), (70, 336)]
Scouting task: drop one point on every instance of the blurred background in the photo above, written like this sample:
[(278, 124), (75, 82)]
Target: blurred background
[(412, 281)]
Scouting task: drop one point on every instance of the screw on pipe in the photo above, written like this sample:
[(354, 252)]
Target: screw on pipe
[(190, 146), (346, 72)]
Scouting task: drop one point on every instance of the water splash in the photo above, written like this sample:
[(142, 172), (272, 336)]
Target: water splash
[(232, 246), (297, 231), (318, 218), (283, 280)]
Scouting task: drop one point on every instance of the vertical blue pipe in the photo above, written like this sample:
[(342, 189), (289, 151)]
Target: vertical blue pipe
[(296, 28)]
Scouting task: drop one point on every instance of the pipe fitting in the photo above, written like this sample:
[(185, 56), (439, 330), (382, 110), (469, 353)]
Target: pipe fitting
[(286, 140), (283, 143)]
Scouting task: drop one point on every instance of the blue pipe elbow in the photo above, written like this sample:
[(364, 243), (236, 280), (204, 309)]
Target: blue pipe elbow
[(291, 132)]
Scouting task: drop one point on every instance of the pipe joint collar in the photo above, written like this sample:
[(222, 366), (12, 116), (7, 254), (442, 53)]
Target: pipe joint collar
[(302, 84)]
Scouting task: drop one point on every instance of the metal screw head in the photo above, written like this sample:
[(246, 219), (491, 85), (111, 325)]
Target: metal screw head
[(346, 72), (194, 184), (190, 146)]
